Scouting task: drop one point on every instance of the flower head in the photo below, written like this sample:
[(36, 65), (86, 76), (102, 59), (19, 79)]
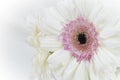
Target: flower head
[(80, 38)]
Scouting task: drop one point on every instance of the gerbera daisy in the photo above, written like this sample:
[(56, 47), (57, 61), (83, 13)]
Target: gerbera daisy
[(42, 70), (81, 40)]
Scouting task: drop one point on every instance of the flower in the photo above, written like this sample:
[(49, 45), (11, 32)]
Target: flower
[(80, 38), (42, 70), (83, 38)]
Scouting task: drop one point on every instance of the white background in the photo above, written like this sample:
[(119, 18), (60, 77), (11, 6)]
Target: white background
[(15, 53)]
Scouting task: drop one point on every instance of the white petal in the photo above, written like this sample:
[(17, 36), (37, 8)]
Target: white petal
[(53, 18), (106, 58), (91, 6), (50, 43), (97, 65), (103, 65), (92, 72), (70, 69), (47, 29), (112, 43), (87, 8), (99, 18), (118, 74), (110, 32), (81, 72), (80, 5), (59, 59), (102, 70), (67, 9), (41, 67), (116, 52), (51, 21)]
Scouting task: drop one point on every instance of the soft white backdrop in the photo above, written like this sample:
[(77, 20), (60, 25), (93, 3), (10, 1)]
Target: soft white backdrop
[(15, 53)]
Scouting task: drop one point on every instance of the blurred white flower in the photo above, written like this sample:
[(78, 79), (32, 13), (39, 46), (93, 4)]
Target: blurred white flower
[(42, 70), (41, 67), (83, 40)]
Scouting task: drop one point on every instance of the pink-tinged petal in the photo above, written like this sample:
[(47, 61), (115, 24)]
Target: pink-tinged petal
[(80, 38)]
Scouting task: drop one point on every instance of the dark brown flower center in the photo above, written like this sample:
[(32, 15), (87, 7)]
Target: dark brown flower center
[(82, 38)]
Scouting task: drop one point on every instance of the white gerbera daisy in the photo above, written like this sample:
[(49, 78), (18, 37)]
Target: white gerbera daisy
[(42, 70), (83, 39)]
